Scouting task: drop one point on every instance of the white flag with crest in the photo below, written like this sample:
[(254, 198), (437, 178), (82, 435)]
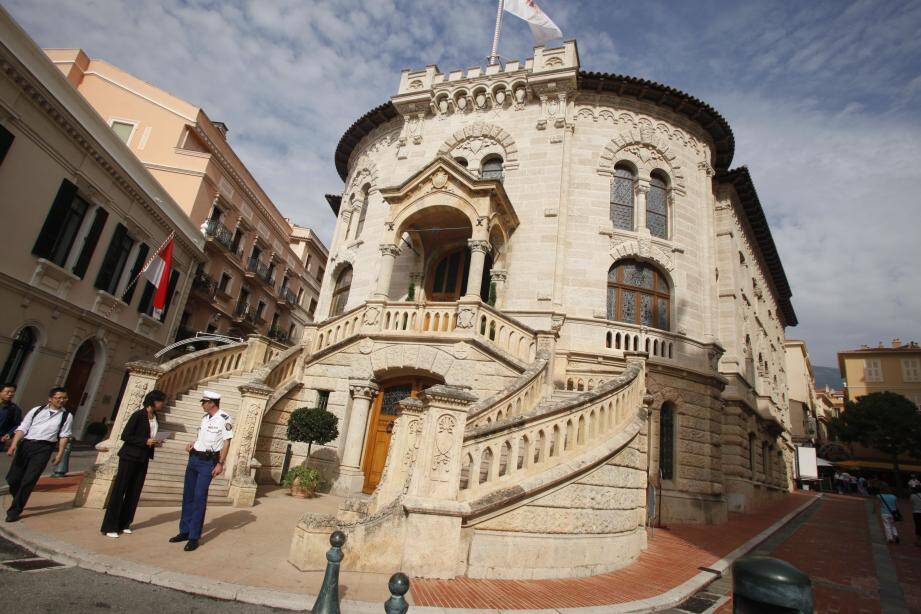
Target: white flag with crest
[(542, 27)]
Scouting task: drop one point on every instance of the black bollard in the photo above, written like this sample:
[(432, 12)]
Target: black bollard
[(762, 584), (399, 586), (328, 600)]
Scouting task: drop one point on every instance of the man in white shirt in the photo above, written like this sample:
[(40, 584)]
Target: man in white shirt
[(33, 443), (206, 461)]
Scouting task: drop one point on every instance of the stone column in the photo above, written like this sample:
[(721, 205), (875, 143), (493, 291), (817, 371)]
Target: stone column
[(351, 477), (253, 400), (402, 455), (94, 489), (418, 287), (478, 251), (498, 277), (389, 253), (256, 348), (433, 512), (642, 189)]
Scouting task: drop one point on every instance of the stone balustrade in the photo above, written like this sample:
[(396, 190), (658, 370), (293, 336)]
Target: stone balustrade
[(182, 373), (520, 397), (454, 319), (495, 455)]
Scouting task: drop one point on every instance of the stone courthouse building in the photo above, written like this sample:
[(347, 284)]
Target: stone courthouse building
[(549, 302)]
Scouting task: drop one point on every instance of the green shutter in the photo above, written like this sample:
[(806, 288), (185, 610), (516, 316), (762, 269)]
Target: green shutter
[(89, 244), (173, 279), (146, 297), (55, 220), (107, 270), (135, 271), (6, 141)]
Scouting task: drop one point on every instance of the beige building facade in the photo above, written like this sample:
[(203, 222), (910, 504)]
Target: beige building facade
[(253, 282), (82, 216), (803, 399), (548, 301), (892, 368)]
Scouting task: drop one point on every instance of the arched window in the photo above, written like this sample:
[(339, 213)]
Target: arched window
[(657, 206), (667, 441), (341, 292), (364, 210), (492, 168), (622, 197), (22, 346), (638, 294)]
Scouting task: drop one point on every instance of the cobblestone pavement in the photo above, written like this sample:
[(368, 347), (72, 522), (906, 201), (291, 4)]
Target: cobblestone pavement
[(840, 545), (35, 585)]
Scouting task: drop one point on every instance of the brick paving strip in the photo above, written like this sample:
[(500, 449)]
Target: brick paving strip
[(665, 575)]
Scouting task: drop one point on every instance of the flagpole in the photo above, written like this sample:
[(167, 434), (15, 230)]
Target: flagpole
[(494, 56)]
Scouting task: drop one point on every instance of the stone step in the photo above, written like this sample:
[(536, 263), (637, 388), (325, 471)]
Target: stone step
[(163, 487), (171, 500)]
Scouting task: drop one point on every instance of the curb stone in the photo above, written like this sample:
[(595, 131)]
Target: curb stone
[(68, 554)]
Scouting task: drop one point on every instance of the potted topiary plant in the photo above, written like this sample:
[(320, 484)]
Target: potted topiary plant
[(303, 481), (310, 425)]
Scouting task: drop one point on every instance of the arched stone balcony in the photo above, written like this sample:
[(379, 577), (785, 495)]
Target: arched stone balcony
[(456, 226)]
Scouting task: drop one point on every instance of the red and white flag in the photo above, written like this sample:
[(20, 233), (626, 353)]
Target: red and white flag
[(157, 272), (542, 27)]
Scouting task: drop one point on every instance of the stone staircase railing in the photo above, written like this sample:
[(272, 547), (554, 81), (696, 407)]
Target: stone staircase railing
[(455, 319), (520, 397), (500, 454)]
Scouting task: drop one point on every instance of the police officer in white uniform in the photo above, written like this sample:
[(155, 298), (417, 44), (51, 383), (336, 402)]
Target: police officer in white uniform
[(206, 461)]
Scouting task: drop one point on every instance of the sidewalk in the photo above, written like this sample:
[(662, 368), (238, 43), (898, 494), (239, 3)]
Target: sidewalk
[(244, 556)]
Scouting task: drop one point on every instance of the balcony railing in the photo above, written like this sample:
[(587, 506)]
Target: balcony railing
[(244, 313), (220, 233), (286, 296), (204, 284), (278, 335), (261, 270)]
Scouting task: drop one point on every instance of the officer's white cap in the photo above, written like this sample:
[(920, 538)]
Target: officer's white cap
[(210, 395)]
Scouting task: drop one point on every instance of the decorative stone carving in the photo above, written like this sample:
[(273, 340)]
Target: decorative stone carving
[(642, 247), (439, 180), (498, 276), (476, 245), (246, 432), (556, 322), (366, 345), (461, 350), (444, 443), (388, 249), (363, 391), (465, 317)]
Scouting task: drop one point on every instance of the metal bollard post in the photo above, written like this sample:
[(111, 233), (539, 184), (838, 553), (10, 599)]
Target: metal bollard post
[(328, 599), (61, 469), (399, 586), (765, 584)]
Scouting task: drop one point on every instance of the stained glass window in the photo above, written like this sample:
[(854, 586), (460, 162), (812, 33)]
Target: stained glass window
[(638, 294), (622, 199), (667, 442), (657, 207), (341, 292), (392, 396)]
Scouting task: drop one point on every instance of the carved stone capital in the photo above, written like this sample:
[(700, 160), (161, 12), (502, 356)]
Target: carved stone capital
[(145, 368), (498, 276), (642, 188), (363, 390), (389, 249), (478, 245), (255, 390), (452, 395)]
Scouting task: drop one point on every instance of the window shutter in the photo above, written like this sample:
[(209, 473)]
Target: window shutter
[(89, 244), (146, 298), (6, 141), (170, 289), (135, 271), (111, 260), (55, 220)]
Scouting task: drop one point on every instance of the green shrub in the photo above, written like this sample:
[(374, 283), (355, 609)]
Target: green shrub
[(312, 425), (307, 477)]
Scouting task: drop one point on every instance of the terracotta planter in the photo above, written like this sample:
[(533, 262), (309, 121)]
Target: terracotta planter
[(303, 491)]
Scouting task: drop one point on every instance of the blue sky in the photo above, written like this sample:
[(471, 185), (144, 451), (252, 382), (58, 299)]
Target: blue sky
[(824, 99)]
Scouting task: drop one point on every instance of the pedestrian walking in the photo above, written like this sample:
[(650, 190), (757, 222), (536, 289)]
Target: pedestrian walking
[(206, 462), (913, 482), (852, 482), (140, 439), (862, 486), (916, 512), (32, 446), (10, 415), (888, 506)]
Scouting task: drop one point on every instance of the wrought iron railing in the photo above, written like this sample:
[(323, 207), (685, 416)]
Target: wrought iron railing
[(220, 233), (205, 284), (245, 313), (254, 265), (278, 335)]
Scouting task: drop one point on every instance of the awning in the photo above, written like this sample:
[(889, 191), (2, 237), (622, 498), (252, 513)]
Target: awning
[(859, 464), (821, 462)]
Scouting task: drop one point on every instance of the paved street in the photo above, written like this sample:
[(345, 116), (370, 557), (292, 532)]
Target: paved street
[(80, 460), (70, 589)]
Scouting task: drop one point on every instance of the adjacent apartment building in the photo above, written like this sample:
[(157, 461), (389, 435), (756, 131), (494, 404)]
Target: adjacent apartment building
[(801, 393), (253, 281), (82, 215), (893, 368)]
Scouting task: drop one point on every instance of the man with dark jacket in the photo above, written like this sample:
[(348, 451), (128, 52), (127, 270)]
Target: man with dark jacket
[(10, 415), (140, 439)]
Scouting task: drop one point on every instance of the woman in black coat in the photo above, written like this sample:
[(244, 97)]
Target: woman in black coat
[(140, 440)]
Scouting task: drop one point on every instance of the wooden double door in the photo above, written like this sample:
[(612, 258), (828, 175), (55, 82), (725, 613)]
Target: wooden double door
[(384, 412)]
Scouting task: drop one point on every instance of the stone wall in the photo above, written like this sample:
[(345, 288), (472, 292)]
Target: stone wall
[(592, 525)]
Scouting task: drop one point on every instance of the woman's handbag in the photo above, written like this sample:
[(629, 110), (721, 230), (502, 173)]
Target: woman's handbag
[(895, 513)]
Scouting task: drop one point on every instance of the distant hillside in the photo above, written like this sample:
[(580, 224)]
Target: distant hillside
[(827, 376)]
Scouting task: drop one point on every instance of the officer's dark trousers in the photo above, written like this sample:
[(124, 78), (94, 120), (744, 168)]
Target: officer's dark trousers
[(195, 495), (126, 492), (29, 462)]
